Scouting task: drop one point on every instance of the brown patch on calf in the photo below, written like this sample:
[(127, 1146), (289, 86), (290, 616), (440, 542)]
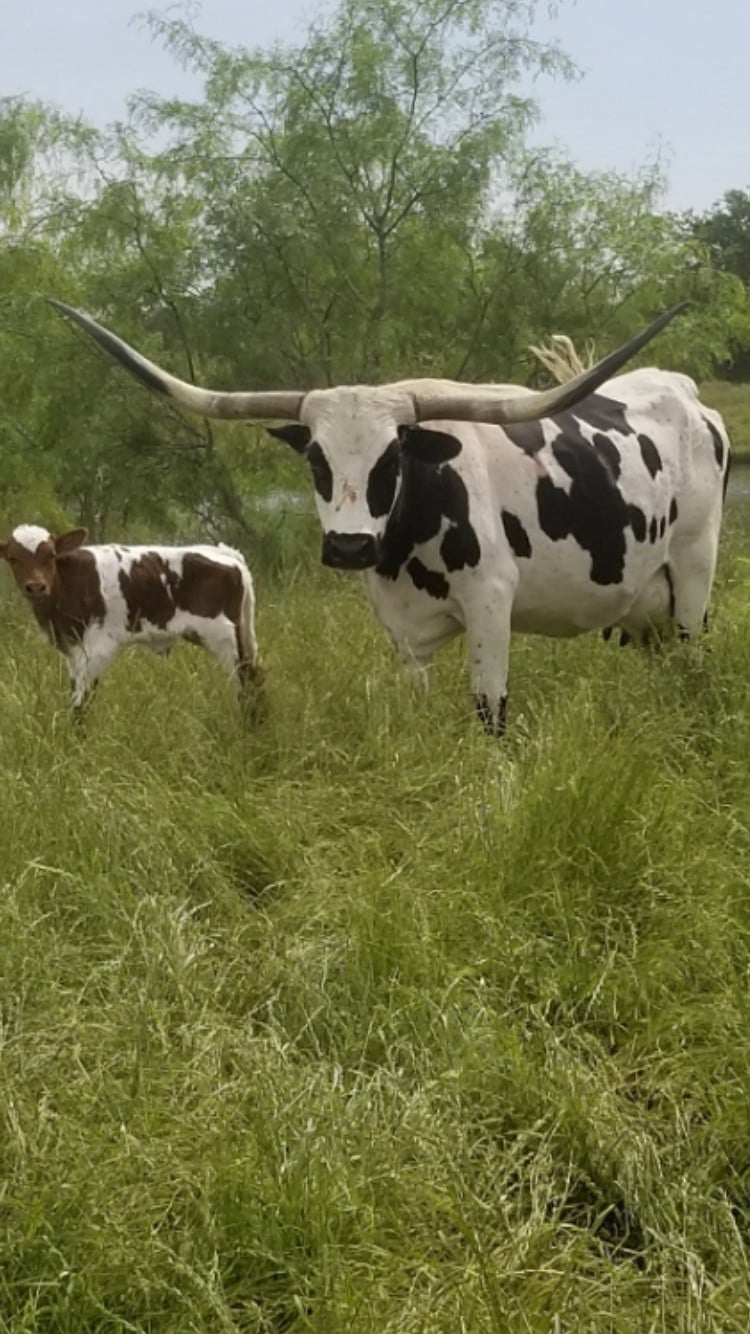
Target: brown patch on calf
[(153, 590), (148, 589), (209, 588), (78, 601)]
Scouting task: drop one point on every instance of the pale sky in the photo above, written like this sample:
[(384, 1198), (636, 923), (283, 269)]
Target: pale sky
[(670, 76)]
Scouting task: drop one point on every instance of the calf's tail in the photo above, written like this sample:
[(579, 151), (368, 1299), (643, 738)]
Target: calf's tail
[(249, 667)]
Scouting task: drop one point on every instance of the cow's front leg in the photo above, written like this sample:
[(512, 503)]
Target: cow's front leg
[(488, 635)]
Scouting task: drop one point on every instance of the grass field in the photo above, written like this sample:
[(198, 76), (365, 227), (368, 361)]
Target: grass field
[(359, 1022)]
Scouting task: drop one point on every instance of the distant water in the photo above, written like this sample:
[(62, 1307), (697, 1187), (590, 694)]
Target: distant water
[(279, 501), (739, 483)]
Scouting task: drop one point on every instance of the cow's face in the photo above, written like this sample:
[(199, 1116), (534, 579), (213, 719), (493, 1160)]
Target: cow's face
[(357, 442), (32, 554)]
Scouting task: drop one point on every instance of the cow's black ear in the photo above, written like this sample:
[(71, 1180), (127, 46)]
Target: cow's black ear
[(429, 446), (295, 434)]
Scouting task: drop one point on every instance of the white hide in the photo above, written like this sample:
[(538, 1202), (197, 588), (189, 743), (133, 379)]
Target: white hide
[(30, 536)]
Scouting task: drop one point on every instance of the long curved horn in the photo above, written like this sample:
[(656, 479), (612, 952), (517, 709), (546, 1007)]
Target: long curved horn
[(484, 404), (279, 404)]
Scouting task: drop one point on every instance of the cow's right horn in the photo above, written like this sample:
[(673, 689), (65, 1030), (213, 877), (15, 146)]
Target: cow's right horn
[(485, 403)]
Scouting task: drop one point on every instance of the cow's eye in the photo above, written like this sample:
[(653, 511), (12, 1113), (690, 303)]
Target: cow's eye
[(321, 471), (381, 484)]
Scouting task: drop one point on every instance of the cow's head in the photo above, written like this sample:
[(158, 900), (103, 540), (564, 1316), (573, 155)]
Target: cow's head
[(357, 442), (33, 553), (356, 439)]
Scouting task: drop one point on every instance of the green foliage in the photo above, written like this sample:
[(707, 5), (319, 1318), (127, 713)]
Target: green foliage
[(590, 255), (361, 206), (355, 1019), (725, 231), (331, 167)]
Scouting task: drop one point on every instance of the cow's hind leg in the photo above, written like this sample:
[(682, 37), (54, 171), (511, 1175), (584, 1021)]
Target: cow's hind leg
[(651, 614), (692, 568), (488, 634)]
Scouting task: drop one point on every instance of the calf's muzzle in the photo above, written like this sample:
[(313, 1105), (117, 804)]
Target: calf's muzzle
[(36, 589)]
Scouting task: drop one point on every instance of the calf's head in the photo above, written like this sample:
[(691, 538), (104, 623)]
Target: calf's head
[(356, 439), (33, 555)]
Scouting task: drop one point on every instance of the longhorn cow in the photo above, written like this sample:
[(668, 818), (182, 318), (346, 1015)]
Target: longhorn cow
[(491, 508)]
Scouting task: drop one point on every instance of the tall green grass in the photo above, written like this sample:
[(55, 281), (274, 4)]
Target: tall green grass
[(355, 1020)]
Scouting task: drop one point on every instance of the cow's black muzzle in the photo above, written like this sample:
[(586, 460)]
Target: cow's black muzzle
[(350, 551)]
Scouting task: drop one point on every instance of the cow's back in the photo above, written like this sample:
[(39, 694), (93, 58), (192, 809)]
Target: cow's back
[(581, 510)]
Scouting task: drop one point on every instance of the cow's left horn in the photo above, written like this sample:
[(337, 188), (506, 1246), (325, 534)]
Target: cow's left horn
[(484, 404), (281, 405)]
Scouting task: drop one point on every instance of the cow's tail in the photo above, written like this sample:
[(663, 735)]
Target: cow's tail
[(727, 465)]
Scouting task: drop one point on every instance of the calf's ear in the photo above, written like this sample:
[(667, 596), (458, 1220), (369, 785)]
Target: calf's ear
[(71, 541)]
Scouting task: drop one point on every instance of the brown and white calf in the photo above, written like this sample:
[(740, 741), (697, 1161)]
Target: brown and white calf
[(95, 601)]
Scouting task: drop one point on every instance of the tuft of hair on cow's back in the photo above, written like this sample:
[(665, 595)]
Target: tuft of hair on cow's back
[(561, 359)]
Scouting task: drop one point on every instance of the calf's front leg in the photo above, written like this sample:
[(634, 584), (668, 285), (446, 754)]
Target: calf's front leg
[(85, 667)]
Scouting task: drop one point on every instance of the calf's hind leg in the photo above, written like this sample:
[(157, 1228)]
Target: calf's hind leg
[(242, 667)]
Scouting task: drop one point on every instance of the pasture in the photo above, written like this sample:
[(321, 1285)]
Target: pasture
[(355, 1020)]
